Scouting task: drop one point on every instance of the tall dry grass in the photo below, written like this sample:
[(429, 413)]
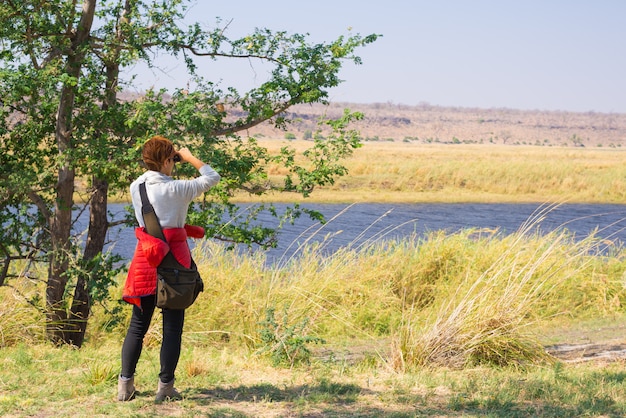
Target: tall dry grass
[(487, 318), (21, 306)]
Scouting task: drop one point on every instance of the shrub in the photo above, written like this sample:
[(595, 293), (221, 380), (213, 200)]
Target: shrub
[(285, 343)]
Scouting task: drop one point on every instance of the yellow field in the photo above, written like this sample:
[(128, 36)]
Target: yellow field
[(406, 172)]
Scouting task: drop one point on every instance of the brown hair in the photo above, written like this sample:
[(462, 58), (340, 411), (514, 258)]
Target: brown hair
[(156, 151)]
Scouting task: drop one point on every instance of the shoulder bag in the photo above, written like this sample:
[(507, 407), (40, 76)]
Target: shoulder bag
[(177, 286)]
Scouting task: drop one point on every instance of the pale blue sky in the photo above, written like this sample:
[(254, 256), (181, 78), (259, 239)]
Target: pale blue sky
[(523, 54)]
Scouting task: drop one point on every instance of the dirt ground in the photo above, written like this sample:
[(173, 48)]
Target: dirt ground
[(590, 341)]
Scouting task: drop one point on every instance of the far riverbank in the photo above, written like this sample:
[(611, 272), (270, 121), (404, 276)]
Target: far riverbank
[(407, 172)]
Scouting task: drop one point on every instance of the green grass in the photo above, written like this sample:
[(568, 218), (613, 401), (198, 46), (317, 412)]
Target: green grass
[(448, 324), (48, 381)]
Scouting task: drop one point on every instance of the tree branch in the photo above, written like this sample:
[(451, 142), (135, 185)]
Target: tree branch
[(194, 51), (252, 123), (40, 203)]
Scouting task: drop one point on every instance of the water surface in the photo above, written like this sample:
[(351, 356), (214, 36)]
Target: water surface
[(359, 224)]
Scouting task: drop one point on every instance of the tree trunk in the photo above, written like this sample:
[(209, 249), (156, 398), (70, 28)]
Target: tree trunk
[(60, 227), (98, 225), (61, 221)]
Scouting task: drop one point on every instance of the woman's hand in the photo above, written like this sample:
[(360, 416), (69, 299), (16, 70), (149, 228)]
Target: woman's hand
[(187, 156)]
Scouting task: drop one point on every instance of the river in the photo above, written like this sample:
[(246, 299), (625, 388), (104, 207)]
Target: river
[(359, 224)]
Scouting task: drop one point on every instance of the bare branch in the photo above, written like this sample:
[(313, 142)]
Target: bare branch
[(194, 51), (256, 189), (116, 223), (40, 203), (251, 124)]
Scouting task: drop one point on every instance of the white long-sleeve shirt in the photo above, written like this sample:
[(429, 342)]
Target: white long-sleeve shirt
[(171, 198)]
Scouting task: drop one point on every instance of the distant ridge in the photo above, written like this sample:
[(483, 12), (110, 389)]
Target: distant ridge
[(430, 124), (427, 123)]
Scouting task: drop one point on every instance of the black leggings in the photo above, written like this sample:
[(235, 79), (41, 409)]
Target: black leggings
[(173, 321)]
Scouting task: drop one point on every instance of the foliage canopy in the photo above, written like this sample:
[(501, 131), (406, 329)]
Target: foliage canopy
[(71, 137)]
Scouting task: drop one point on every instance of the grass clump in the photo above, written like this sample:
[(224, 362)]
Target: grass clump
[(487, 315)]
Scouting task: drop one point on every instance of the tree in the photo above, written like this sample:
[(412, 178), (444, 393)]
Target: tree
[(70, 137)]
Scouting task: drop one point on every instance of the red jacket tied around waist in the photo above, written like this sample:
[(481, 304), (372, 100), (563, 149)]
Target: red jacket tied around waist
[(142, 273)]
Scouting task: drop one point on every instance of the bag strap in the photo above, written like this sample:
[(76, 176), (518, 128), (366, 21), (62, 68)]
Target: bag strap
[(149, 215), (153, 227)]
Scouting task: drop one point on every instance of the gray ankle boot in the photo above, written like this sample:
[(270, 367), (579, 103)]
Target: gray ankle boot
[(167, 391), (125, 388)]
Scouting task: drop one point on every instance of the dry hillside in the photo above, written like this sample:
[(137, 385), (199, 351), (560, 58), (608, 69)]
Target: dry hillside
[(426, 123)]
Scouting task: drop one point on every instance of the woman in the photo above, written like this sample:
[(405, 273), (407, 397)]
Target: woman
[(170, 199)]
